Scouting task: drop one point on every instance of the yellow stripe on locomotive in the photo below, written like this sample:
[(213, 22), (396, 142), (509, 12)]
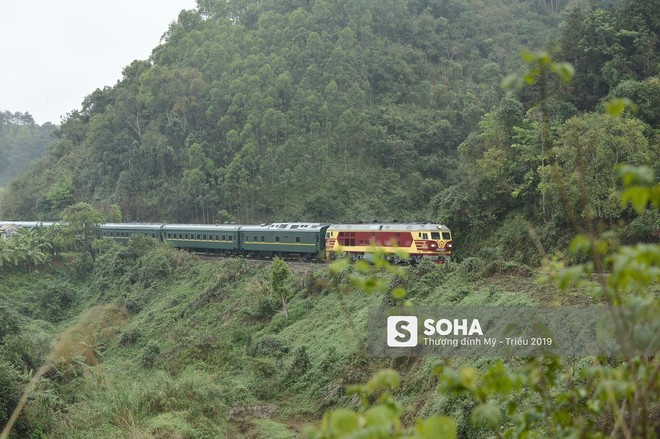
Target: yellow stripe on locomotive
[(415, 240)]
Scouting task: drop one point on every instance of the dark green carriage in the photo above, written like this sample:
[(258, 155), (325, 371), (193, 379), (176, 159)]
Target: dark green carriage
[(124, 232), (306, 239), (203, 237)]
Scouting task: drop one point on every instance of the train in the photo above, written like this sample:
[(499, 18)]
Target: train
[(398, 241)]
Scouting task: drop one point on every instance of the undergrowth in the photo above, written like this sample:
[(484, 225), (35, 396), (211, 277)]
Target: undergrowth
[(208, 351)]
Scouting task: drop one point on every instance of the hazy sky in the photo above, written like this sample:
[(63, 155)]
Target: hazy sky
[(53, 53)]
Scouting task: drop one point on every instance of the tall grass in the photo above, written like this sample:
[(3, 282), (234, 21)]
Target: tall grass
[(81, 342)]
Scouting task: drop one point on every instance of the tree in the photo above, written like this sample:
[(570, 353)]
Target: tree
[(589, 149), (80, 227), (279, 282)]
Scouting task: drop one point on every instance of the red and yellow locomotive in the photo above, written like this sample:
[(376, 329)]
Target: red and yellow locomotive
[(415, 240)]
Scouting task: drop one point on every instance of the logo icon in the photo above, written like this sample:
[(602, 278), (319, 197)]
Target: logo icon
[(402, 331)]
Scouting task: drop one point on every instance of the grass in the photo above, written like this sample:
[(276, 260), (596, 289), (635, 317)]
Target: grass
[(203, 337)]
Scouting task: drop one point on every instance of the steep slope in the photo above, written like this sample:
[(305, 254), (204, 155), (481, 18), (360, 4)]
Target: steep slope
[(203, 349)]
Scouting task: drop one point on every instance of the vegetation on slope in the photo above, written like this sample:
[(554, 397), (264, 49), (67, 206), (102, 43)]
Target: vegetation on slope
[(206, 339), (239, 348)]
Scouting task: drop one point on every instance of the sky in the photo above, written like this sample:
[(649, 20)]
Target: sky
[(53, 53)]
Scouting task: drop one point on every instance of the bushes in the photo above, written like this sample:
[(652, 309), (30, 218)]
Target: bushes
[(474, 268), (10, 391), (148, 404), (54, 304), (27, 350), (268, 347), (8, 323), (142, 261), (150, 355)]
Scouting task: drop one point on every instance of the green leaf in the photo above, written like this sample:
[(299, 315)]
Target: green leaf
[(398, 293), (343, 421), (386, 378), (436, 427), (469, 376), (512, 81), (486, 413), (339, 266), (362, 266), (638, 196), (580, 244), (630, 175), (380, 415), (565, 71), (616, 106), (527, 56)]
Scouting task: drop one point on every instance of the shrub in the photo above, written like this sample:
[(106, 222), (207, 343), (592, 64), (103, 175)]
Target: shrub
[(26, 351), (10, 392), (300, 364), (55, 302), (268, 347), (8, 323), (150, 355)]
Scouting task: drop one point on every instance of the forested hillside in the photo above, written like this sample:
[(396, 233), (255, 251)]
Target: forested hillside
[(21, 140), (360, 110)]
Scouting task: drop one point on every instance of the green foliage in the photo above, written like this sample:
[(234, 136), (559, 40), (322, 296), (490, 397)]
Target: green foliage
[(150, 355), (80, 227), (279, 282), (9, 390), (606, 142), (241, 110), (143, 261), (8, 324), (55, 302), (386, 111), (26, 249), (267, 428), (608, 47), (380, 418)]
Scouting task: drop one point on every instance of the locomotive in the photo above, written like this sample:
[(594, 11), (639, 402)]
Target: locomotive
[(415, 241)]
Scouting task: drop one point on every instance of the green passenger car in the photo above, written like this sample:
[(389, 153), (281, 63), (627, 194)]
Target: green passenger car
[(124, 232), (203, 237), (305, 239)]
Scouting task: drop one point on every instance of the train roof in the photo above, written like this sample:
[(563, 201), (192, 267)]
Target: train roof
[(203, 227), (299, 226), (130, 226), (29, 224), (394, 227)]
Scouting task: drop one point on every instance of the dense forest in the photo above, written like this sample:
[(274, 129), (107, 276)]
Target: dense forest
[(363, 110), (505, 120), (21, 140)]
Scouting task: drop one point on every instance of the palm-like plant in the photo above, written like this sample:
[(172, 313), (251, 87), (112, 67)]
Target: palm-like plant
[(27, 248)]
